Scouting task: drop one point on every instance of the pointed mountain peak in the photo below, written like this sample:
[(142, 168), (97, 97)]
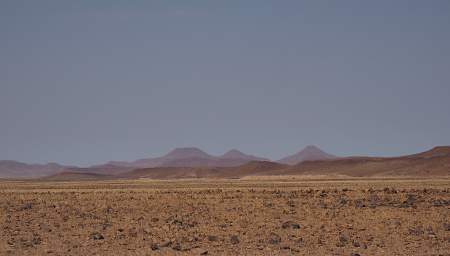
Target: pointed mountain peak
[(234, 153), (311, 148), (187, 152), (309, 153)]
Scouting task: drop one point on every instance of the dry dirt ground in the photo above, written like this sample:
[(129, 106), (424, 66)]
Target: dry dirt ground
[(226, 217)]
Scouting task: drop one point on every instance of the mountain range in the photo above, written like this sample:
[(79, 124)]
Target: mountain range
[(192, 157), (195, 163), (179, 157)]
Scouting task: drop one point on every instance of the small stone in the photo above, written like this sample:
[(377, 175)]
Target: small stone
[(166, 243), (446, 226), (234, 239), (154, 247), (290, 224), (440, 203), (198, 251), (359, 203), (416, 231), (177, 247), (36, 240), (274, 238), (342, 241), (26, 206), (356, 243), (212, 238), (97, 236)]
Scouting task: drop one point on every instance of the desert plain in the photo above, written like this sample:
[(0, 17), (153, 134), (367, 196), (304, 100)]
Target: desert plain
[(289, 215)]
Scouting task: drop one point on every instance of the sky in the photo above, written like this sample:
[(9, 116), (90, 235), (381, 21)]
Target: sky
[(84, 82)]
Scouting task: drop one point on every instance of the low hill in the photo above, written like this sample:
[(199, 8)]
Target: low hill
[(435, 162), (14, 169), (107, 169), (72, 176), (251, 168), (440, 151), (170, 173)]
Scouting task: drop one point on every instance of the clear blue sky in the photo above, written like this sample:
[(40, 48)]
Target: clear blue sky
[(83, 82)]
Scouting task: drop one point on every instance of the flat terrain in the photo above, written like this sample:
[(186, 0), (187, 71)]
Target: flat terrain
[(260, 216)]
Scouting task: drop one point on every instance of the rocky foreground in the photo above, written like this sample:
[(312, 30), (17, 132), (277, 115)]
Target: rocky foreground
[(229, 218)]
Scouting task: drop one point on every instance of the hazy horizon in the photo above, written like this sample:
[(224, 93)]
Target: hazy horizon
[(87, 82)]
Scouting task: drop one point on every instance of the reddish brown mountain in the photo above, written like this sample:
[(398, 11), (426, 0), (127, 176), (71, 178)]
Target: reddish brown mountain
[(309, 153), (434, 162), (248, 169)]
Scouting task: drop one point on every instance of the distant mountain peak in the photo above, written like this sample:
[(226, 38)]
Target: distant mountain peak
[(234, 153), (187, 152), (311, 149), (309, 153)]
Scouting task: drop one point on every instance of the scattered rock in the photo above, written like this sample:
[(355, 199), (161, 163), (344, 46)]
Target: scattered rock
[(356, 243), (36, 240), (154, 247), (198, 251), (359, 203), (96, 236), (440, 203), (285, 247), (446, 226), (416, 231), (290, 224), (409, 202), (212, 238), (166, 243), (268, 205), (291, 203), (374, 201), (274, 238), (177, 247), (342, 242), (342, 201), (300, 242), (26, 206), (234, 239)]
